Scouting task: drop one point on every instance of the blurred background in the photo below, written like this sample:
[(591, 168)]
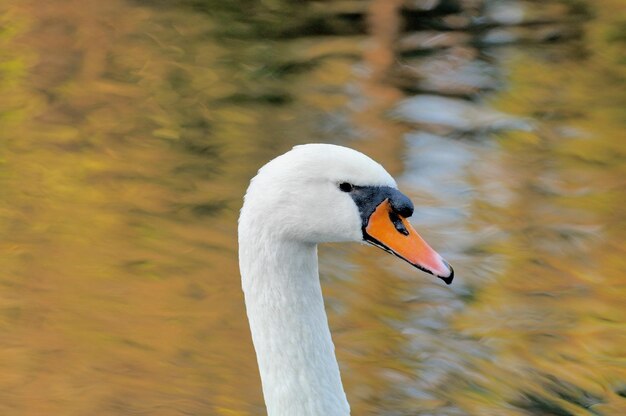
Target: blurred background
[(129, 130)]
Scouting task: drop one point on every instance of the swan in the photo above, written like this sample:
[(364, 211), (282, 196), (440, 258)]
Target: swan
[(314, 193)]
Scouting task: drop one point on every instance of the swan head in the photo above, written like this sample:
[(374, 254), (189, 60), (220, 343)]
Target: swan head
[(318, 193)]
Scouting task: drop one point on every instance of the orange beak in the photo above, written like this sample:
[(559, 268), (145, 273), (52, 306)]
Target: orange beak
[(389, 231)]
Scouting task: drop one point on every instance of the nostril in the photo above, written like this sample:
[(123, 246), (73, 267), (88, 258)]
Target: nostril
[(397, 223)]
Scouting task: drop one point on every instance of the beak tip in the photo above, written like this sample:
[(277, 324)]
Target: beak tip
[(448, 279)]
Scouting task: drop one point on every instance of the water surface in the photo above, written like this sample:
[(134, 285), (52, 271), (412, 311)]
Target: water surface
[(129, 132)]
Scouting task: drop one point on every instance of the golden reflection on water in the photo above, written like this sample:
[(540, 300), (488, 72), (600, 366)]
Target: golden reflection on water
[(128, 134)]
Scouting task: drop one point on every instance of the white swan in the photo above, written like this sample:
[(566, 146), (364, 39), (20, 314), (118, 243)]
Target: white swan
[(313, 194)]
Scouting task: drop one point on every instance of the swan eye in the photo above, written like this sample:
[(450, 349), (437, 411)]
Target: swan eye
[(345, 186)]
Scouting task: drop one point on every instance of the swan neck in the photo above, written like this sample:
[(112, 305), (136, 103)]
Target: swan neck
[(289, 327)]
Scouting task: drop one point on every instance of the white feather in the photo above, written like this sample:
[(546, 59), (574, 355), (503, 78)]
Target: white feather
[(293, 204)]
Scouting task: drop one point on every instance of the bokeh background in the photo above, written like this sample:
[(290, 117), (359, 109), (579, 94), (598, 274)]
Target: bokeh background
[(130, 129)]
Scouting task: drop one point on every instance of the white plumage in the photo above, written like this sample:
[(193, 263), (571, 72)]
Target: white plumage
[(293, 204)]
